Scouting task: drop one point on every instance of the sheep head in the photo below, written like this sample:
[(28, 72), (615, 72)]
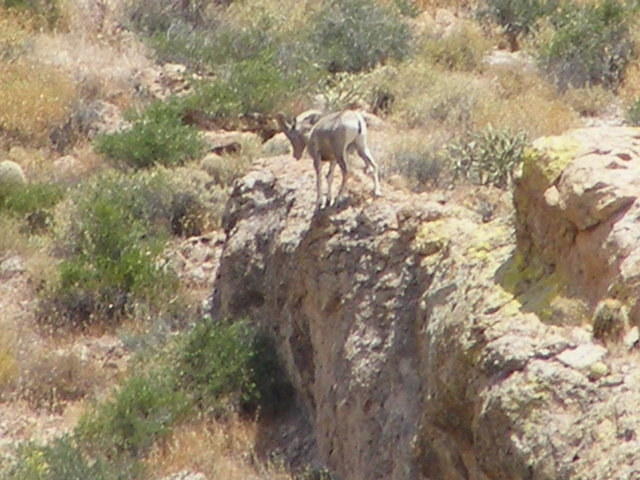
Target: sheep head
[(296, 137)]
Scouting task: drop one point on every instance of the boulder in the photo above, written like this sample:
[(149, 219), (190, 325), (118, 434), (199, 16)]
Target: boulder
[(411, 351), (577, 210)]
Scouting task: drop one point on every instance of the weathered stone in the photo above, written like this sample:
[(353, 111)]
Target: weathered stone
[(407, 339), (583, 356)]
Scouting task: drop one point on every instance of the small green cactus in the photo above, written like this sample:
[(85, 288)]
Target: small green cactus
[(11, 177)]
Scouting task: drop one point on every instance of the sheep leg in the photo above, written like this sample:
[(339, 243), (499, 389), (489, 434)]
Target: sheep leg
[(365, 154), (332, 166), (317, 164), (343, 166)]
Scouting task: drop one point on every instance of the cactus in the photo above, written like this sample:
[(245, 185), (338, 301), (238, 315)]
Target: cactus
[(11, 177), (610, 320)]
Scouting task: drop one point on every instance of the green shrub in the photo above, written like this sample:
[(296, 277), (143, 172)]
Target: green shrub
[(33, 203), (115, 230), (155, 16), (356, 35), (61, 459), (488, 157), (259, 84), (590, 45), (157, 137), (517, 17), (142, 411), (224, 363), (633, 113)]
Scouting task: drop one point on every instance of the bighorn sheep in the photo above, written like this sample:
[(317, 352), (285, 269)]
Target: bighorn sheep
[(330, 137)]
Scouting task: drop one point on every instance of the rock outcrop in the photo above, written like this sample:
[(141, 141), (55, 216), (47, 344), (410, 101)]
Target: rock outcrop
[(418, 335)]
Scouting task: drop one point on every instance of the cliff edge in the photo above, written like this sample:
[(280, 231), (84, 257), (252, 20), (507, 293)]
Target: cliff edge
[(425, 342)]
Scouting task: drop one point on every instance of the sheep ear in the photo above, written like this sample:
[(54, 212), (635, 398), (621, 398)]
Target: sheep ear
[(283, 123), (313, 118)]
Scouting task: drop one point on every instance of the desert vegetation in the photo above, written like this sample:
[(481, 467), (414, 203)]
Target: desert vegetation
[(107, 163)]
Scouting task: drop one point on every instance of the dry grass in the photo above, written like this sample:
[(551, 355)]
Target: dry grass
[(216, 448), (589, 101), (8, 362), (50, 379), (287, 17), (102, 70), (34, 98)]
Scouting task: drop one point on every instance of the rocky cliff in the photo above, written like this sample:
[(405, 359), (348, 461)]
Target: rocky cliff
[(426, 342)]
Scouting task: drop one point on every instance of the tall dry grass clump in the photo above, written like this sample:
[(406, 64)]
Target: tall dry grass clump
[(34, 100)]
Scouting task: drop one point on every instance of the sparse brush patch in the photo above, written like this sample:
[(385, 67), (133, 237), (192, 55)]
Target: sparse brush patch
[(197, 203), (232, 364), (526, 103), (426, 97), (63, 459), (115, 229), (357, 35), (420, 162), (488, 157), (12, 237), (157, 137), (46, 12), (34, 99), (518, 18), (143, 410), (633, 112), (256, 85), (591, 44), (49, 381), (589, 101), (33, 204), (371, 90), (14, 33), (8, 362), (462, 49)]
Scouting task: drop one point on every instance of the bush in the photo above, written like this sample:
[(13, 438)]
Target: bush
[(256, 85), (422, 166), (49, 381), (462, 49), (633, 113), (589, 101), (224, 363), (156, 137), (14, 33), (61, 460), (33, 203), (488, 157), (142, 411), (356, 35), (517, 17), (115, 230), (590, 45), (48, 12)]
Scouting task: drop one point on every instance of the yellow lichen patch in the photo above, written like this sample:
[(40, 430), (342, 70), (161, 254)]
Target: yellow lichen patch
[(433, 237), (555, 153), (541, 292), (486, 241)]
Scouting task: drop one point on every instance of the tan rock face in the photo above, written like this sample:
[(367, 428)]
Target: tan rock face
[(584, 221), (410, 357)]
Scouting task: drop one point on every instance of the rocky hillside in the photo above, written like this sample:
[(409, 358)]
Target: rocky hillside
[(426, 340)]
